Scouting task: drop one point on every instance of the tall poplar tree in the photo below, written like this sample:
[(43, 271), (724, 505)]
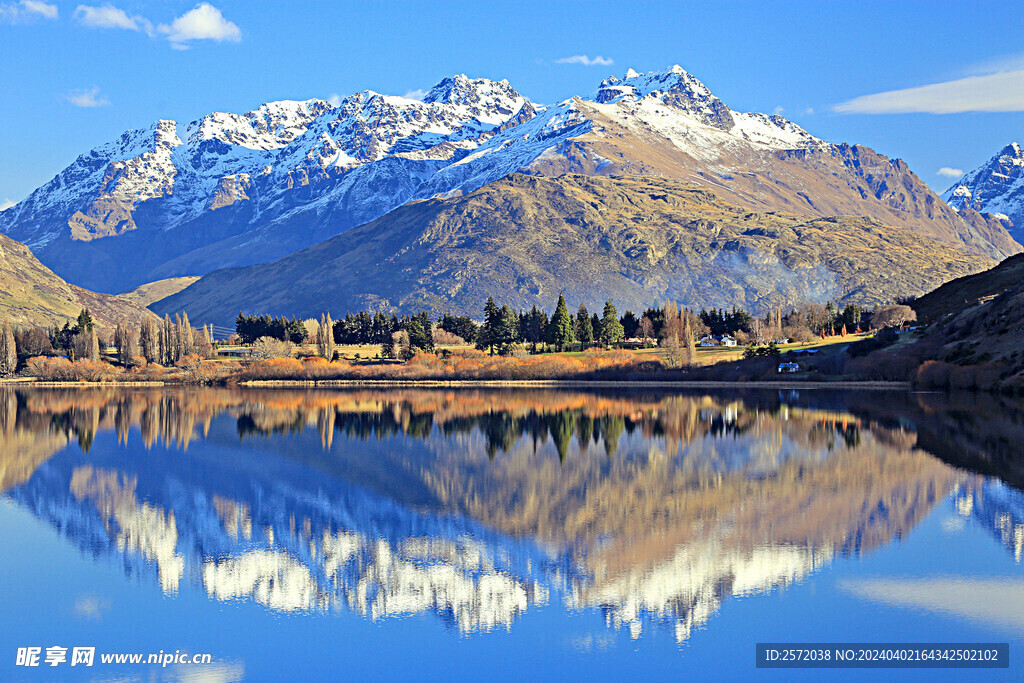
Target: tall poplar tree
[(8, 350), (94, 345)]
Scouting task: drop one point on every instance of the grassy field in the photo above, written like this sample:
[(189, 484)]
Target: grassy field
[(709, 355), (705, 355)]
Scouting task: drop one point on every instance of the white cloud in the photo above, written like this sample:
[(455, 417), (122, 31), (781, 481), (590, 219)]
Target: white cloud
[(88, 98), (334, 100), (947, 172), (779, 110), (14, 13), (41, 8), (204, 22), (585, 60), (994, 92), (108, 16), (809, 111), (996, 66), (417, 94), (6, 204)]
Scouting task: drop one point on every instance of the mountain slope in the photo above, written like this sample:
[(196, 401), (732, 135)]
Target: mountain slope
[(151, 292), (637, 240), (996, 186), (975, 325), (229, 189), (1006, 279), (33, 295)]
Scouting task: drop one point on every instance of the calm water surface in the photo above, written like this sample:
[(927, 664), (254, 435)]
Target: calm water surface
[(509, 535)]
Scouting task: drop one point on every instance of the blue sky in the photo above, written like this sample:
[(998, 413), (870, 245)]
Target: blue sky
[(78, 74)]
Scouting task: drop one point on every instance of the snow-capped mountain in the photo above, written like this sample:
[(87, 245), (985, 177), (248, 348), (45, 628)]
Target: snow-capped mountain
[(996, 187), (236, 189)]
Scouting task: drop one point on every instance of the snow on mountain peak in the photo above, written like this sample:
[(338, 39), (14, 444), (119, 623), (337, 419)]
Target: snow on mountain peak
[(656, 95), (673, 86), (995, 187), (1012, 151), (271, 126), (460, 89)]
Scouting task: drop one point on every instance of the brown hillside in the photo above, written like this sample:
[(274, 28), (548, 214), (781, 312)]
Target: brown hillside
[(32, 294), (152, 292), (634, 240), (836, 180)]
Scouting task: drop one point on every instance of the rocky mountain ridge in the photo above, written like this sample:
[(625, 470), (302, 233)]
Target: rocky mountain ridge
[(238, 189), (996, 187)]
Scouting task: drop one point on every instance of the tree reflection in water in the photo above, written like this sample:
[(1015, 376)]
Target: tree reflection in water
[(477, 505)]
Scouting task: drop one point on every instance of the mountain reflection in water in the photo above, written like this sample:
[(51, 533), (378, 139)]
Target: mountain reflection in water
[(476, 506)]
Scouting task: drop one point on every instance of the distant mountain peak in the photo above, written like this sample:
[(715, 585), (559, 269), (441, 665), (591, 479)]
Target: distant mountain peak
[(460, 89), (995, 187), (673, 86), (1013, 151)]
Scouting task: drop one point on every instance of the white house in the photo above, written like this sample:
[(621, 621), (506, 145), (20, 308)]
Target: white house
[(708, 341), (726, 340), (789, 367)]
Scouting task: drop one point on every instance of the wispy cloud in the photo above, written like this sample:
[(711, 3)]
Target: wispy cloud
[(334, 100), (778, 110), (88, 98), (108, 16), (997, 65), (585, 60), (204, 22), (418, 94), (13, 13), (6, 204), (947, 172), (994, 92)]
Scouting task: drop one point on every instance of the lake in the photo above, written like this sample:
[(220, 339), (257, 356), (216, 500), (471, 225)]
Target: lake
[(503, 534)]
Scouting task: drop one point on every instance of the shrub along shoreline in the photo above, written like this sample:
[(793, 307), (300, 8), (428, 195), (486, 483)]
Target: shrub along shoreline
[(464, 367)]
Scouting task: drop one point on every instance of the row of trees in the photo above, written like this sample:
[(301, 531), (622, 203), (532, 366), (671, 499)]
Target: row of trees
[(163, 342), (503, 327), (675, 329), (252, 327)]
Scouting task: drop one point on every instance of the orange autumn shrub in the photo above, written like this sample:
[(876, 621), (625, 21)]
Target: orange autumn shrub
[(63, 370), (274, 368), (94, 371), (316, 367), (50, 368)]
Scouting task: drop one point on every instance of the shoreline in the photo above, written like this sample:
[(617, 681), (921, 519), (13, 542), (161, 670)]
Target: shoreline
[(529, 383), (489, 383)]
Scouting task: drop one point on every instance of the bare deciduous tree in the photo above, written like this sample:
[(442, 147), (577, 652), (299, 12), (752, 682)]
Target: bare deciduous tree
[(896, 315), (268, 347)]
